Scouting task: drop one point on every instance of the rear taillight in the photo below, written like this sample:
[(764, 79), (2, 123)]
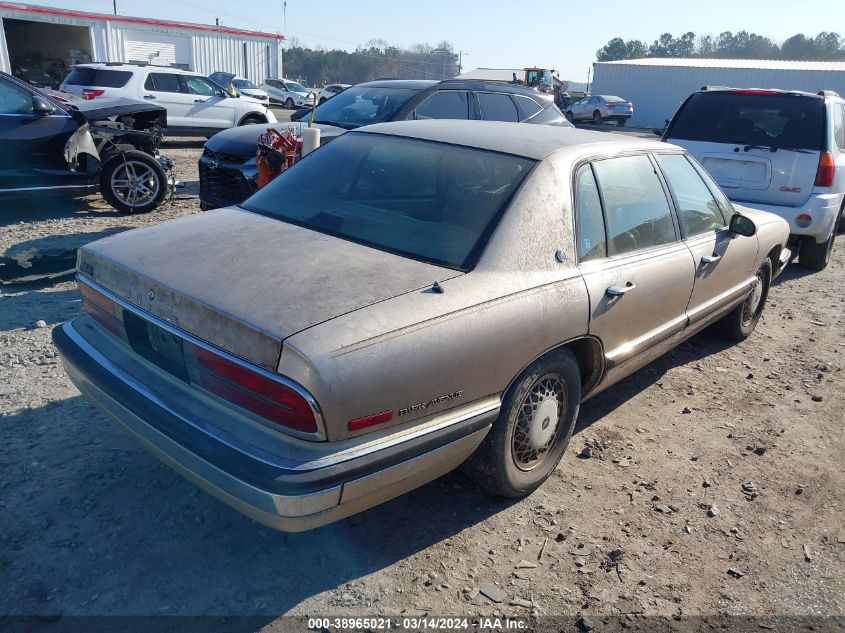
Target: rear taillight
[(826, 170), (90, 93), (100, 307), (263, 396), (630, 105), (610, 105)]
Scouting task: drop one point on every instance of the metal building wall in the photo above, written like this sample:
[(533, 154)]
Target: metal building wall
[(658, 91)]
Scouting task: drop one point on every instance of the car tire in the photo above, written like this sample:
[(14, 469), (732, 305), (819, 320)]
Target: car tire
[(289, 104), (322, 100), (513, 460), (740, 322), (120, 192), (621, 121), (813, 255), (569, 117), (597, 120), (252, 119)]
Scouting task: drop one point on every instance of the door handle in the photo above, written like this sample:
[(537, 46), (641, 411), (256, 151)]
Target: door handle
[(618, 291), (709, 259), (149, 96), (199, 100)]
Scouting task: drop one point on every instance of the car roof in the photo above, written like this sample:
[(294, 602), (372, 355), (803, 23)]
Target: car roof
[(128, 66), (416, 84), (769, 91), (521, 139)]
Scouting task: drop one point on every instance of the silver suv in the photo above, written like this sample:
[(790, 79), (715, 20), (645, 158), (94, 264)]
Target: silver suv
[(774, 150)]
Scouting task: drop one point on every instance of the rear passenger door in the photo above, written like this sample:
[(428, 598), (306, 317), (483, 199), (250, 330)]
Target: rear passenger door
[(444, 104), (724, 261), (166, 90), (494, 106), (638, 273)]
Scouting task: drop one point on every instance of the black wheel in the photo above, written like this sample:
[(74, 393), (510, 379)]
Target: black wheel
[(569, 117), (811, 254), (322, 100), (740, 322), (597, 118), (289, 104), (133, 182), (533, 429), (621, 121), (252, 119)]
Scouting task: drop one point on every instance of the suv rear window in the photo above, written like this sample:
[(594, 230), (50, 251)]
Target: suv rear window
[(424, 200), (769, 120), (100, 77)]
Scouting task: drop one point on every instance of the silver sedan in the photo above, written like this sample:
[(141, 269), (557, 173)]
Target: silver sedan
[(413, 296), (601, 108)]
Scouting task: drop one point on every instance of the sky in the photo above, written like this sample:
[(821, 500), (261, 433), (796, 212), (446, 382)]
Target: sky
[(494, 34)]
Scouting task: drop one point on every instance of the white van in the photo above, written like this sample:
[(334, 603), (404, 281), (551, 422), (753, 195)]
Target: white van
[(775, 150)]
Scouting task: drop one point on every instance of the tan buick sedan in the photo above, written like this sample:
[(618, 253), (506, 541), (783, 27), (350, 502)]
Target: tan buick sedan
[(410, 297)]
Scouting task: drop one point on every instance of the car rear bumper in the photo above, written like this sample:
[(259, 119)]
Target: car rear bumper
[(822, 208), (280, 491)]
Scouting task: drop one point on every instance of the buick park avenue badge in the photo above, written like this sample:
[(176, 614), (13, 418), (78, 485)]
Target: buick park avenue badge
[(430, 403)]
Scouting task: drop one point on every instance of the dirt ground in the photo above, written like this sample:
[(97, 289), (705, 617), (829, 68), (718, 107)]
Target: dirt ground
[(655, 521)]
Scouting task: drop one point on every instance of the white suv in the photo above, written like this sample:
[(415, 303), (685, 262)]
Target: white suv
[(195, 105), (289, 93), (775, 150)]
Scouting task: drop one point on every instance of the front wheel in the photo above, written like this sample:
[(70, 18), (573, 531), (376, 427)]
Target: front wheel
[(570, 117), (740, 322), (597, 120), (289, 104), (322, 101), (811, 254), (252, 119), (133, 182), (533, 429)]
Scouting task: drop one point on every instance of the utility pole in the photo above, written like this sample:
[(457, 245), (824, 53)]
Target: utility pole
[(461, 60), (114, 3), (284, 41), (589, 69)]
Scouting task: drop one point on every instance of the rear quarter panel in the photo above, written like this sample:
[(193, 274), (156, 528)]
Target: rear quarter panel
[(468, 342)]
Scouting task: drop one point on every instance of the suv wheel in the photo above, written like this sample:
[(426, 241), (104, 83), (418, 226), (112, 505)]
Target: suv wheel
[(814, 255), (289, 104), (252, 119), (569, 116)]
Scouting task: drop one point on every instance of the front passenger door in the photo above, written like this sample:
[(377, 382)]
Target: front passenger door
[(638, 274), (724, 261), (211, 108)]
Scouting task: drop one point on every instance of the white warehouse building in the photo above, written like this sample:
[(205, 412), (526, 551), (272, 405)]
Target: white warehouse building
[(658, 86), (35, 40)]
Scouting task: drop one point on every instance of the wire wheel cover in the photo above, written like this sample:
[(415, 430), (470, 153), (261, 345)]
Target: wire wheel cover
[(539, 422)]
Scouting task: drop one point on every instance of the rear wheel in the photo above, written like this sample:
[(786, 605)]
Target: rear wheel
[(597, 120), (621, 121), (533, 429), (322, 100), (570, 117), (814, 255), (740, 322), (289, 104), (133, 182)]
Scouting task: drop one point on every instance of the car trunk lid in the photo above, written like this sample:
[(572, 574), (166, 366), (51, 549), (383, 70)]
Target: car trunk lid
[(245, 282)]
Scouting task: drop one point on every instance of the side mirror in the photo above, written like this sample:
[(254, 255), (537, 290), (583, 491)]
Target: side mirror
[(42, 107), (741, 225)]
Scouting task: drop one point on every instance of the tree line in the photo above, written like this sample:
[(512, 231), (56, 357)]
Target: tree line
[(377, 59), (826, 46)]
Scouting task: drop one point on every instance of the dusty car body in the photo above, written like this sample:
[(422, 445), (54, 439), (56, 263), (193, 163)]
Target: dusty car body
[(444, 298)]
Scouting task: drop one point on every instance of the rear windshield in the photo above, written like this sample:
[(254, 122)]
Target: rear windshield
[(427, 201), (363, 105), (101, 77), (769, 120)]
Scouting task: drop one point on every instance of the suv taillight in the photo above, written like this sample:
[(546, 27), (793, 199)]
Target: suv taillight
[(264, 396), (826, 170), (89, 93)]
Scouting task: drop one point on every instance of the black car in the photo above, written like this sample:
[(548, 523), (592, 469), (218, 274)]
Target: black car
[(78, 147), (227, 167)]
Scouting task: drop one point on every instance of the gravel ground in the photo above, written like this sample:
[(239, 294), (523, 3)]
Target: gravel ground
[(655, 521)]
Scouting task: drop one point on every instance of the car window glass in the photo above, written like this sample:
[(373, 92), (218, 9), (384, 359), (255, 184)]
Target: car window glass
[(591, 237), (445, 104), (14, 99), (497, 107), (201, 86), (527, 107), (696, 207), (724, 204), (100, 77), (163, 82), (839, 125), (636, 208), (273, 83), (429, 201)]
